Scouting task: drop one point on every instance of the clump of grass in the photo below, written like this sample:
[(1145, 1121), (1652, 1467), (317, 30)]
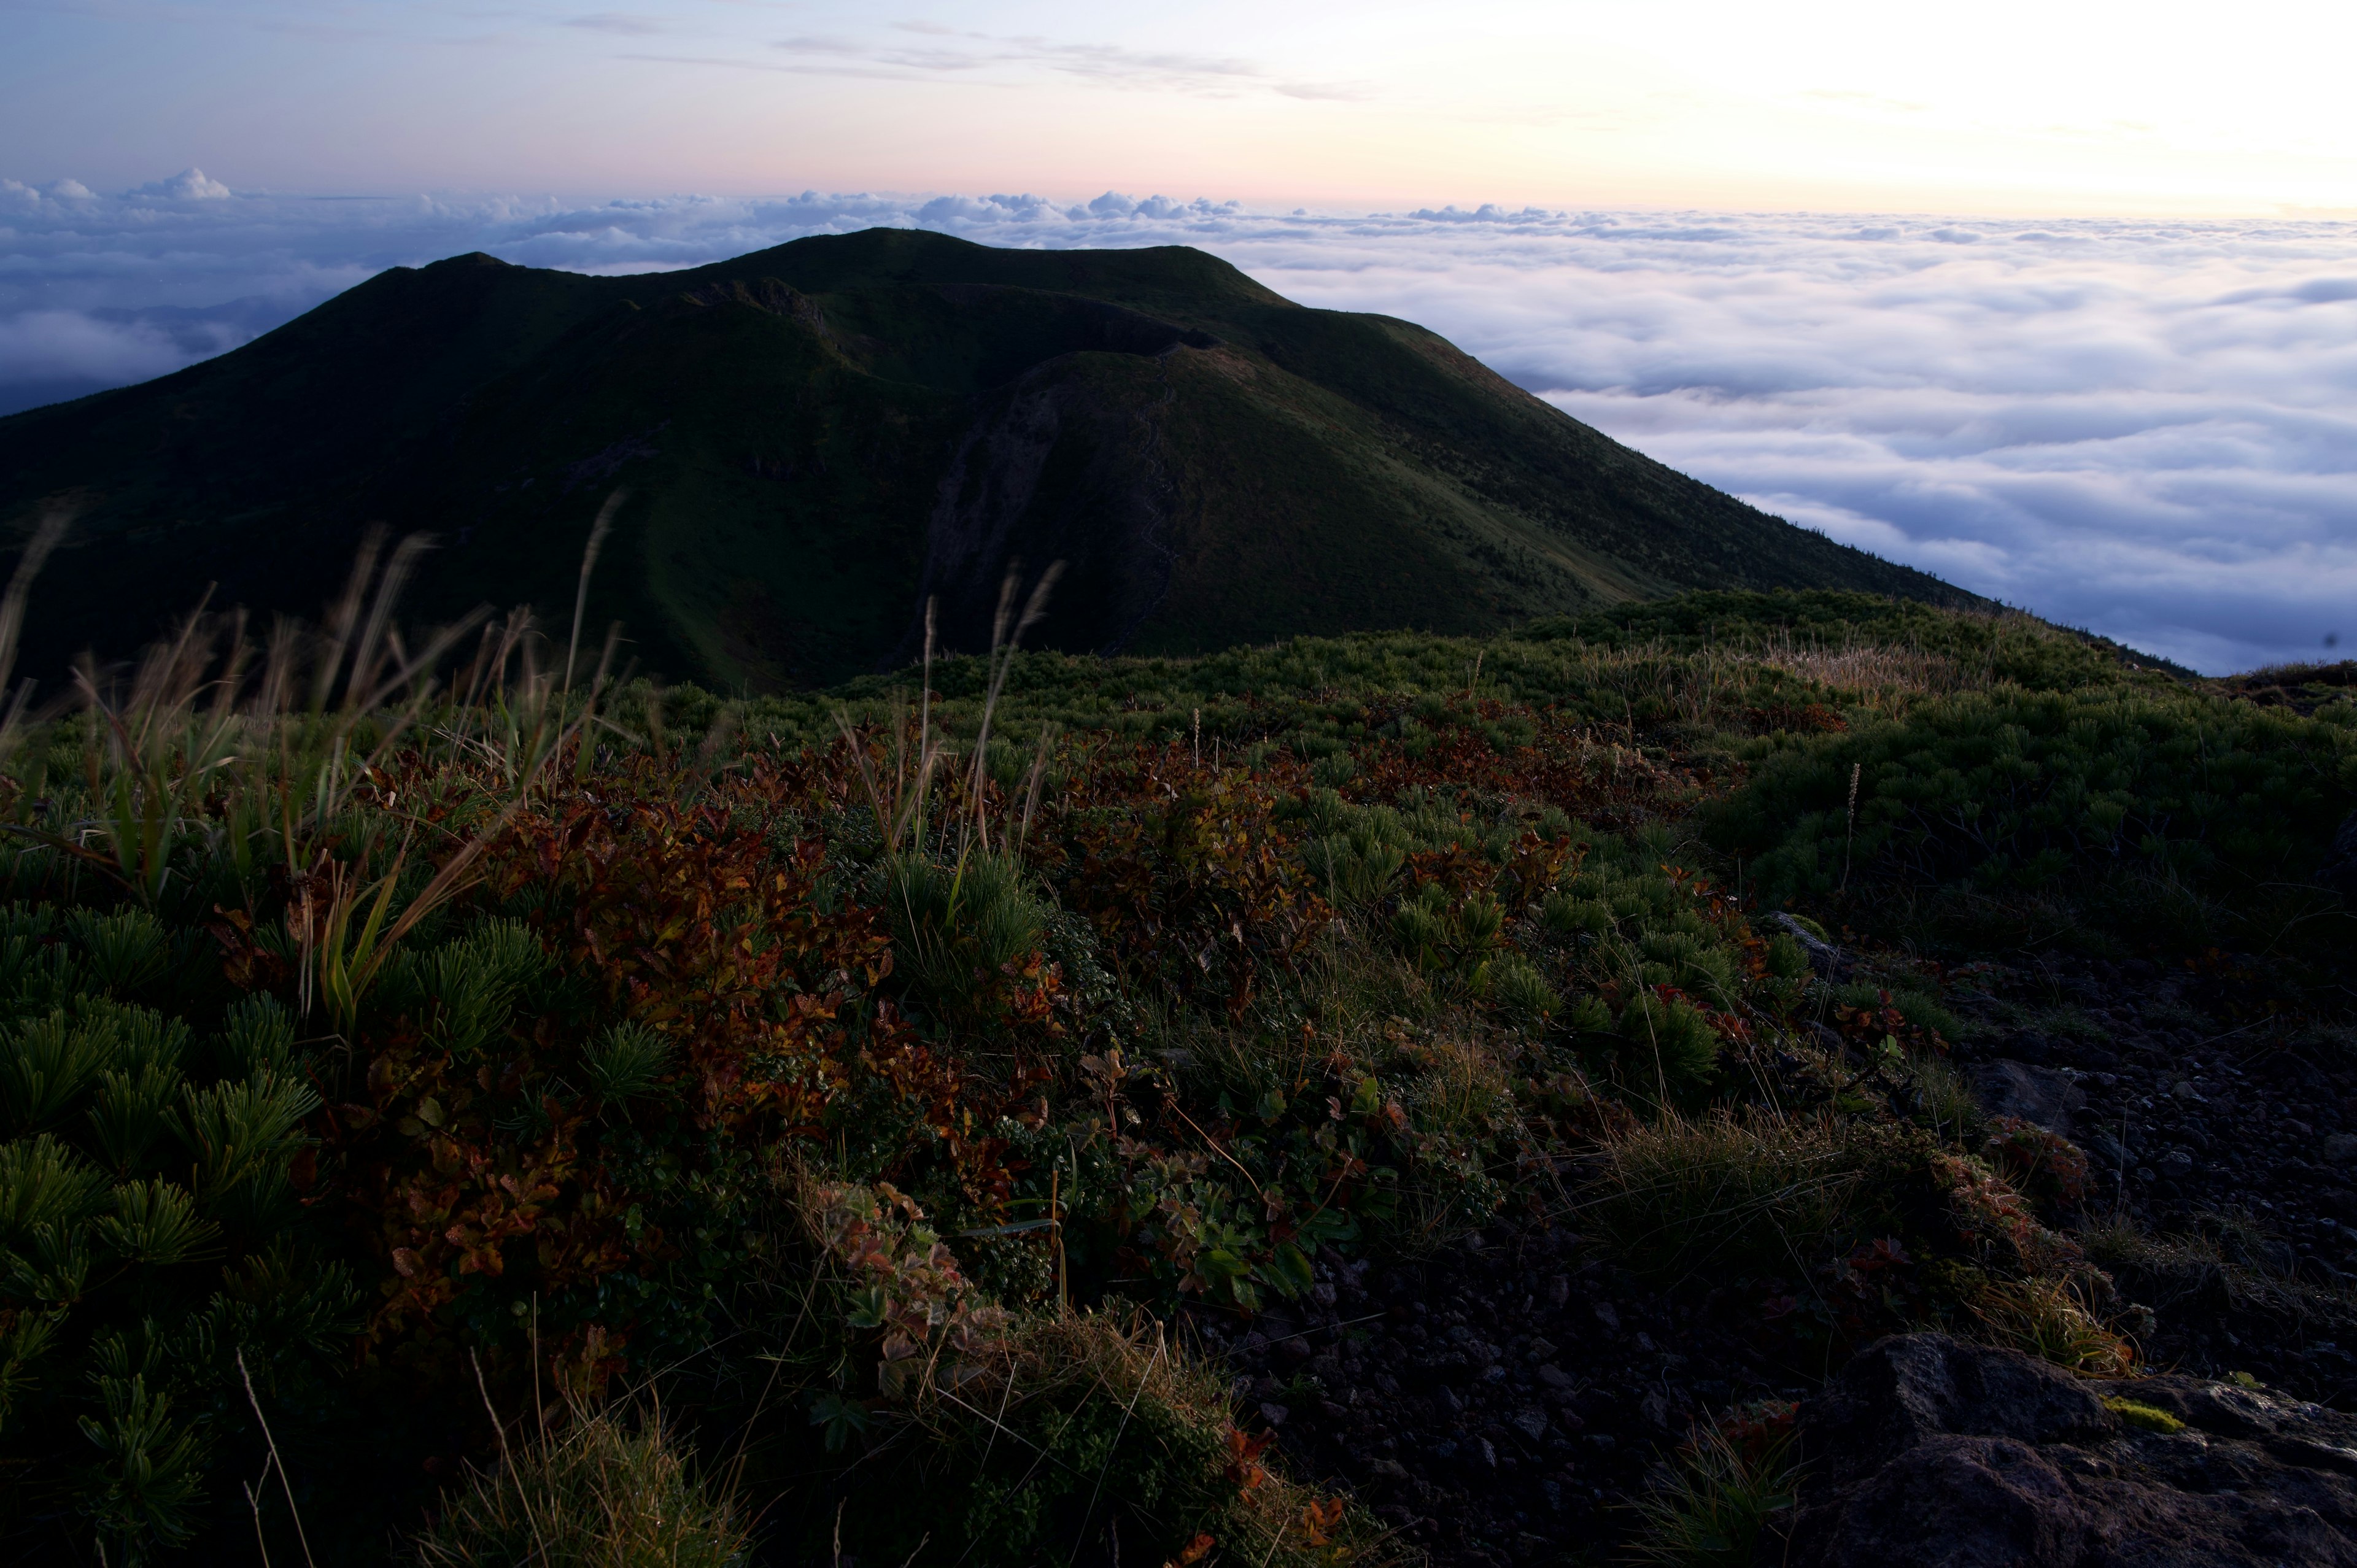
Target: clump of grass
[(1732, 1483), (2046, 1318), (956, 927), (600, 1492), (1767, 1195)]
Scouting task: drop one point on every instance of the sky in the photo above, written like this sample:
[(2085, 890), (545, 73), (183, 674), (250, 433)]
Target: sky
[(2056, 300)]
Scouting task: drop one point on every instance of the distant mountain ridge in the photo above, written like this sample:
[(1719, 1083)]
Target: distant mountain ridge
[(817, 437)]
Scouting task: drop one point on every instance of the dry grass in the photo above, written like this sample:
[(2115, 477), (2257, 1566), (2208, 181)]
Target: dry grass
[(600, 1492), (1764, 1196), (2047, 1318), (1870, 670)]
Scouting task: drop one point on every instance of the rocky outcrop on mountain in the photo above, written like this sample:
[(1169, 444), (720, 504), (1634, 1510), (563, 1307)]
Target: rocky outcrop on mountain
[(1927, 1450)]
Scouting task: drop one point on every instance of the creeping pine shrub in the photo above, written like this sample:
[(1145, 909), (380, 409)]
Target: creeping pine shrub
[(960, 928), (150, 1227), (1658, 1046), (2013, 790)]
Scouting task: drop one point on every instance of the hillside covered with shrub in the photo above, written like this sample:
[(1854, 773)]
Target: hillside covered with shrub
[(818, 439), (1037, 1108)]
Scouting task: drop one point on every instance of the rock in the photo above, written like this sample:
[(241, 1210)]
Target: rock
[(1554, 1377), (1273, 1413), (1532, 1423), (1608, 1316), (2340, 1149), (2044, 1096), (2338, 870), (1828, 960), (1927, 1450)]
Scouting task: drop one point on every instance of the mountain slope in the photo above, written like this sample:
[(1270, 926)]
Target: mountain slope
[(818, 436)]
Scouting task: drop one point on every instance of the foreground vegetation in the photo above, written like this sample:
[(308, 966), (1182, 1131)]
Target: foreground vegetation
[(459, 1108)]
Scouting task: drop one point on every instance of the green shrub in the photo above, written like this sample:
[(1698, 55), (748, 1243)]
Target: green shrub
[(1516, 985), (2013, 791), (149, 1227), (1659, 1048), (957, 926)]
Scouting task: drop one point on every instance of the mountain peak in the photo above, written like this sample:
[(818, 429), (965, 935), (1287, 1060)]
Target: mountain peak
[(820, 436)]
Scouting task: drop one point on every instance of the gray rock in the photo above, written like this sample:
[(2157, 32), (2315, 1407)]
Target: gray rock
[(2340, 1149), (2044, 1096), (2338, 870), (1829, 962), (1926, 1450)]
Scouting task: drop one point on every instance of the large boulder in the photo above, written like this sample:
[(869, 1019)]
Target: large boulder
[(1932, 1452)]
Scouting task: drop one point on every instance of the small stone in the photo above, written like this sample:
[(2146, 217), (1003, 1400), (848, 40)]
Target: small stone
[(1388, 1469), (1274, 1414), (1532, 1423), (1559, 1291), (1654, 1408), (1554, 1377), (1608, 1316), (1485, 1453), (2340, 1149), (1449, 1401)]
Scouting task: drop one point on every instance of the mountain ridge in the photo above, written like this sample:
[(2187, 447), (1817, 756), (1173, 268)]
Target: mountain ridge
[(819, 437)]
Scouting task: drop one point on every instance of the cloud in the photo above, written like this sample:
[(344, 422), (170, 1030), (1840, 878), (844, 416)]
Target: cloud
[(1001, 59), (618, 22), (188, 184), (2147, 428)]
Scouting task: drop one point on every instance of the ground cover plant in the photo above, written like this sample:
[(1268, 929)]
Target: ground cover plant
[(464, 1107)]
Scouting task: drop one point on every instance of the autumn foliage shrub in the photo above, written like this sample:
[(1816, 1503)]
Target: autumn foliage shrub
[(864, 1086)]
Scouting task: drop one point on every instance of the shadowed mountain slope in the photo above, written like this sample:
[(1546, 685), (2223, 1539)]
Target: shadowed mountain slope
[(817, 436)]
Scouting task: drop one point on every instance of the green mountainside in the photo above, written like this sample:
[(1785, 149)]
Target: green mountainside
[(817, 437)]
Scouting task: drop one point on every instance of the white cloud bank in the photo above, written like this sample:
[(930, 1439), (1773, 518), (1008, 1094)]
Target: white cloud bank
[(2148, 428)]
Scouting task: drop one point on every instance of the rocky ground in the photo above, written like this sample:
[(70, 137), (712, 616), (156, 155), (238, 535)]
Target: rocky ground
[(1499, 1403), (1504, 1402), (1929, 1451), (2219, 1123)]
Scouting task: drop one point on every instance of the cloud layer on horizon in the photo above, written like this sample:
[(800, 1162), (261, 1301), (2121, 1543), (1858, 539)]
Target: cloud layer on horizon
[(2147, 428)]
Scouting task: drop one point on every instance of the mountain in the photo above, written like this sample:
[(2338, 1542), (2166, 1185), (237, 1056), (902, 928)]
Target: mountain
[(815, 438)]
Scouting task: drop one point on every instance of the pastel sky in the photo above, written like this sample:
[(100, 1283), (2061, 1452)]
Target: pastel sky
[(2076, 107), (2056, 300)]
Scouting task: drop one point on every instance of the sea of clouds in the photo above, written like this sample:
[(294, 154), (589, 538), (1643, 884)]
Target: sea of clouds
[(2148, 428)]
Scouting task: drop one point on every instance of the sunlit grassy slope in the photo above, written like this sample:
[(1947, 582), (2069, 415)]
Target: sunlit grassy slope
[(817, 436)]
